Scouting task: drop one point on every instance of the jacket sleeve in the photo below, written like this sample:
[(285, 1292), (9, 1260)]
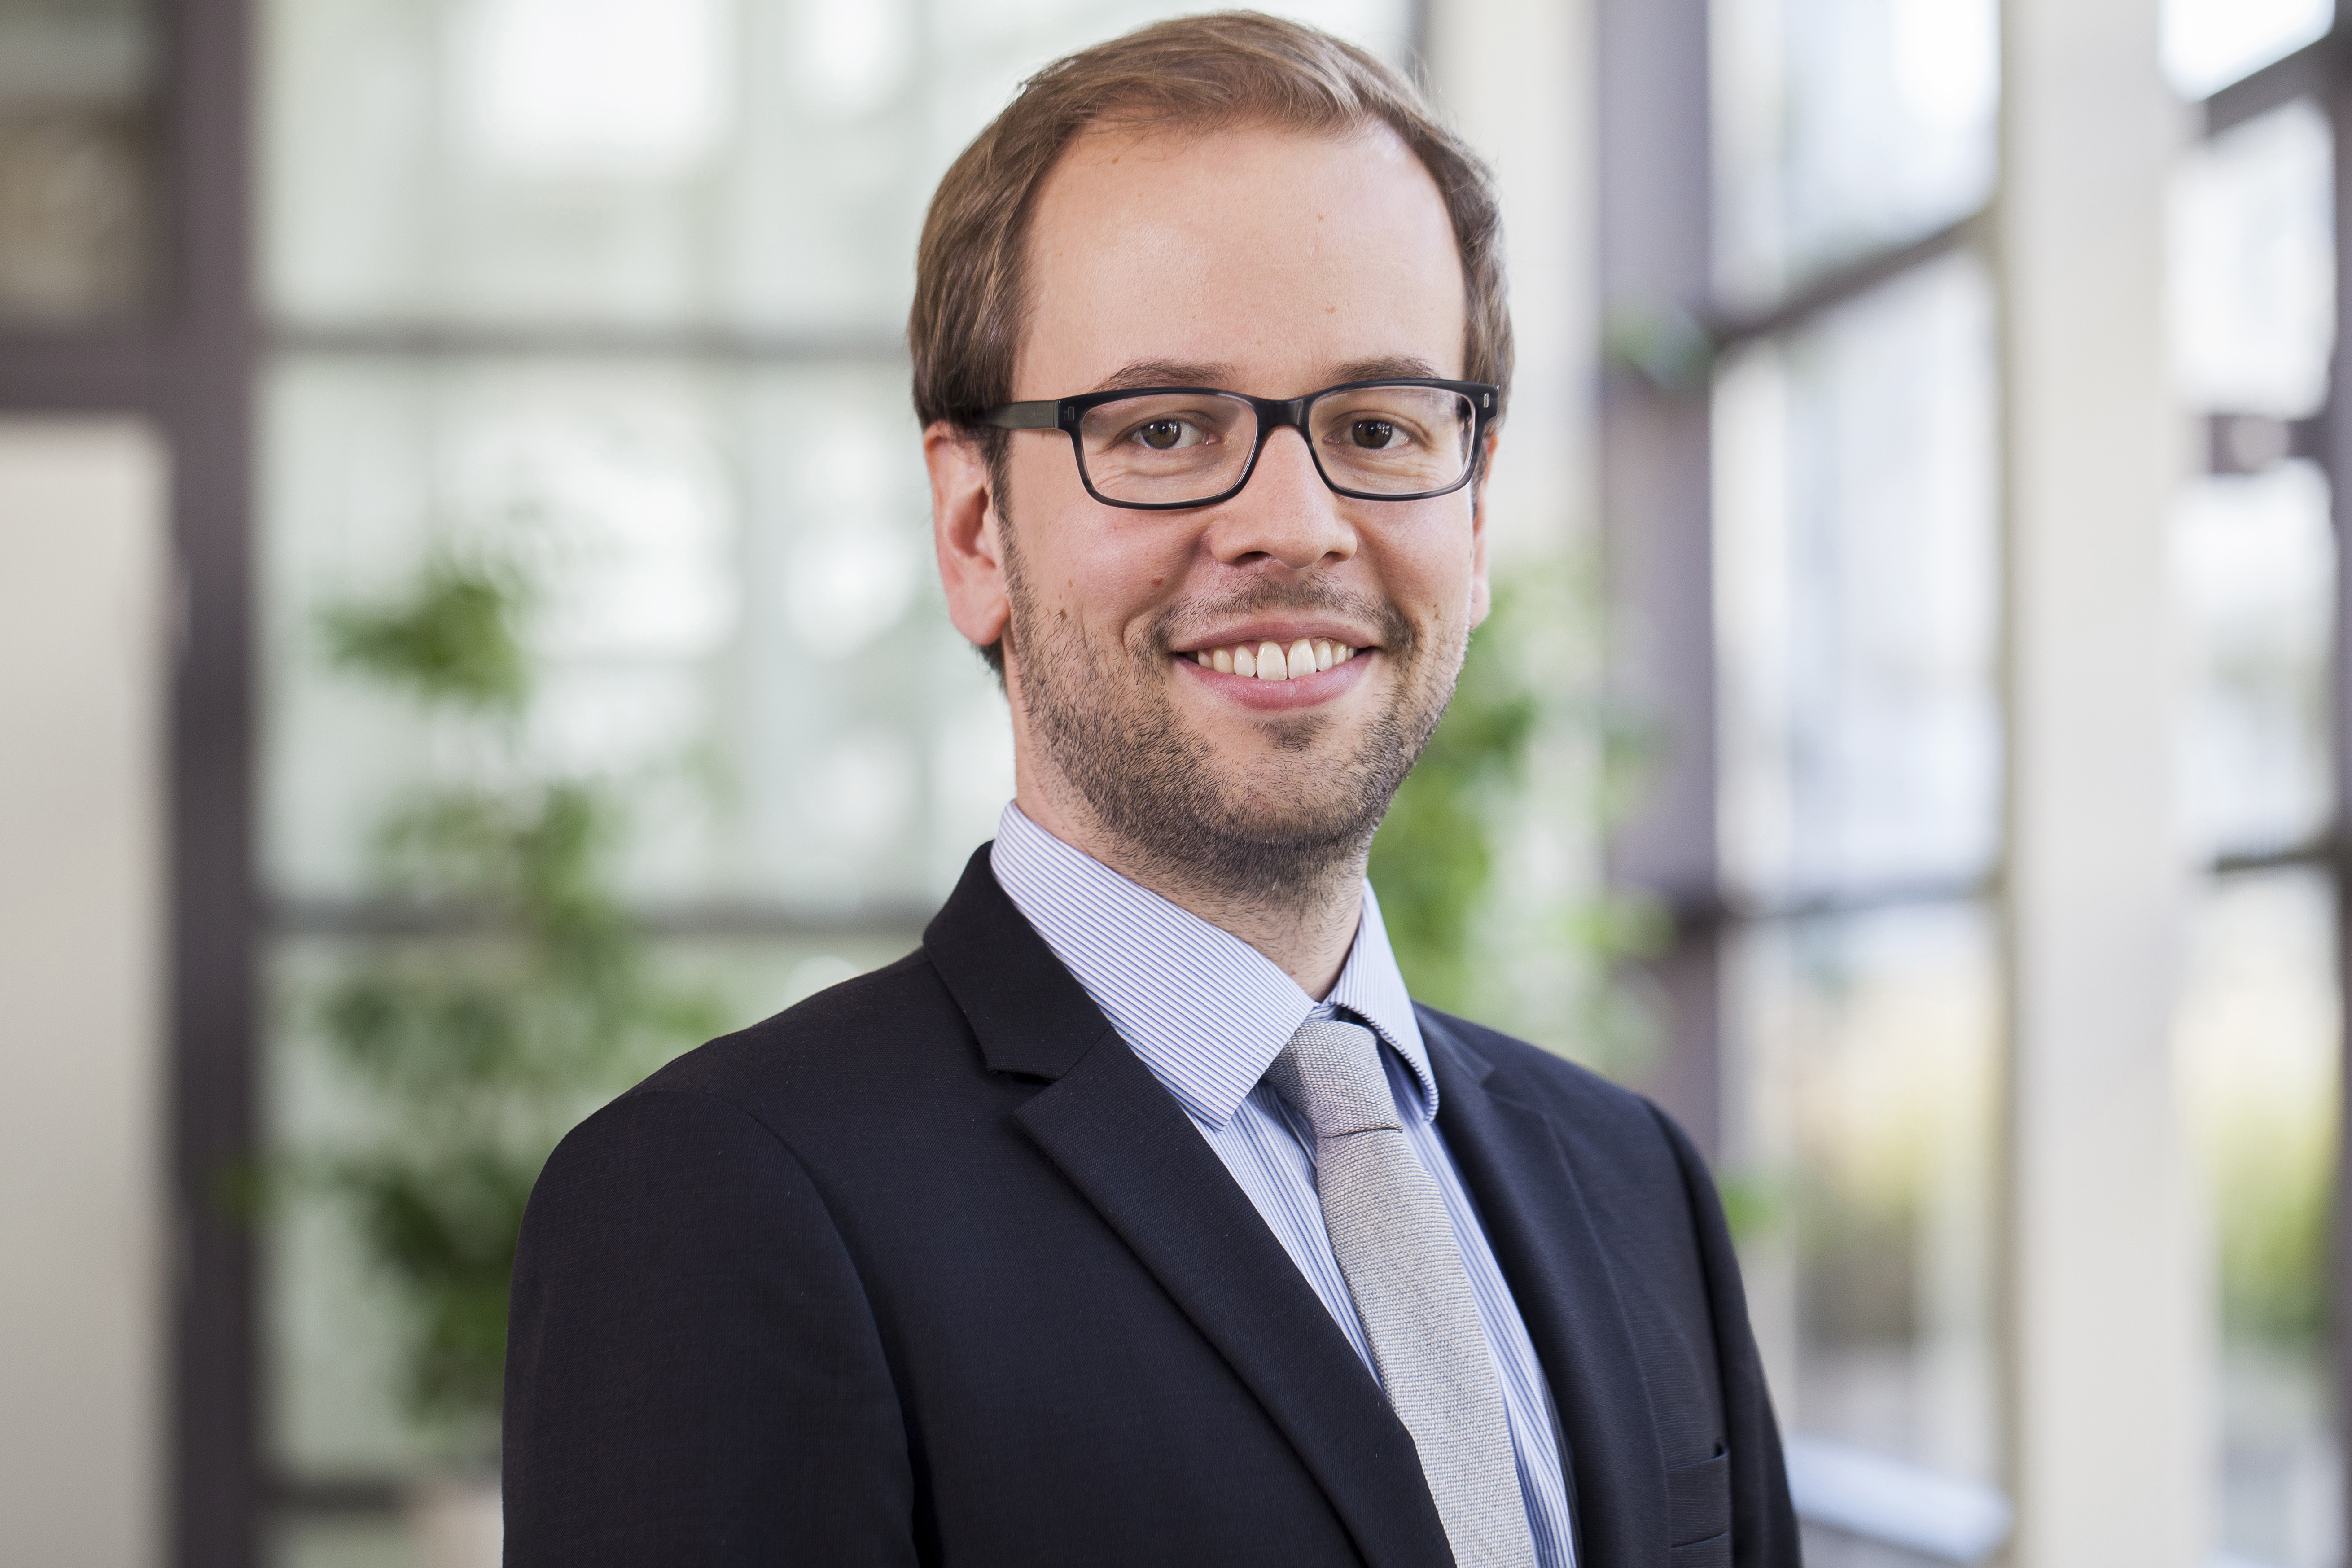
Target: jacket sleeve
[(693, 1373), (1763, 1522)]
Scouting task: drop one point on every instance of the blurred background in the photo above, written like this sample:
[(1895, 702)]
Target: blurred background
[(467, 633)]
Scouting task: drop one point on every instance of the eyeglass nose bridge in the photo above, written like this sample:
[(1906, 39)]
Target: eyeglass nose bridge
[(1273, 414)]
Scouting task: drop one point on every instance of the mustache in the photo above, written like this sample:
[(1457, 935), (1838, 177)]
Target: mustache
[(1265, 596)]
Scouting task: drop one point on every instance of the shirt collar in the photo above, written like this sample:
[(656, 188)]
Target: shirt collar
[(1205, 1011)]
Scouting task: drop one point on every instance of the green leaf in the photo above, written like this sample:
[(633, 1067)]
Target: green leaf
[(1434, 853), (531, 1000), (452, 638)]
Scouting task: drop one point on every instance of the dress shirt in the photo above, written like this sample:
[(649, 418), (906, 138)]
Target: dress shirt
[(1207, 1012)]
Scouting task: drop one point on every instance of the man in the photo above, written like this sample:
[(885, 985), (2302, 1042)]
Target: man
[(1140, 1216)]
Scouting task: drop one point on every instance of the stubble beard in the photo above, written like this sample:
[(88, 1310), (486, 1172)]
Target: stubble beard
[(1155, 786)]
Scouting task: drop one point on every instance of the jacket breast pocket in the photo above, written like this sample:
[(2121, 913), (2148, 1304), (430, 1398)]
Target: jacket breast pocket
[(1698, 1513)]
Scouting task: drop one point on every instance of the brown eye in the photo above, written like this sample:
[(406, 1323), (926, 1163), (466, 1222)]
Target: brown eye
[(1162, 434), (1374, 434)]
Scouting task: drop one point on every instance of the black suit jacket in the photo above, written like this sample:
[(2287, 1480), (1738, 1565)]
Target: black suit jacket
[(930, 1268)]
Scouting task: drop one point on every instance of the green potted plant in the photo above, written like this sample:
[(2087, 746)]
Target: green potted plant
[(523, 998)]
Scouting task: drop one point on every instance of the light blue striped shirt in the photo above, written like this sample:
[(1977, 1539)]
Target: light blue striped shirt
[(1208, 1013)]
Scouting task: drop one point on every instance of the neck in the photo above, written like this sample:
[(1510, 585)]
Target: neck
[(1306, 925)]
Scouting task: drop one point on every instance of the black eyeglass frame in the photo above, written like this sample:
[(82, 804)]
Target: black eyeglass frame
[(1273, 414)]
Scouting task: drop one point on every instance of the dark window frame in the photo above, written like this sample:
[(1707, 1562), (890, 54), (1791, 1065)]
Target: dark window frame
[(184, 366), (2321, 71), (1656, 233)]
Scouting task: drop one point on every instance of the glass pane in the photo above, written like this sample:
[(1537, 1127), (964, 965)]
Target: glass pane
[(76, 223), (1842, 126), (761, 164), (2254, 569), (1864, 1176), (732, 612), (2251, 326), (2257, 1045), (342, 1320), (2208, 43), (1856, 581), (2252, 258)]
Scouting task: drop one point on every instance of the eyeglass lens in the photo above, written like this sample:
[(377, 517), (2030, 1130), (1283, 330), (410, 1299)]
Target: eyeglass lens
[(1169, 448)]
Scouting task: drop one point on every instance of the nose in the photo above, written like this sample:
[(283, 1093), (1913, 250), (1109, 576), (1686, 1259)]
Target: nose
[(1285, 513)]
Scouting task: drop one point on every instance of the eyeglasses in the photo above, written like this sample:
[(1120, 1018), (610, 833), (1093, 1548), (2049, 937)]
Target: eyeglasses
[(1159, 448)]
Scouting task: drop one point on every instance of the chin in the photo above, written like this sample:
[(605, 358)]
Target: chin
[(1293, 797)]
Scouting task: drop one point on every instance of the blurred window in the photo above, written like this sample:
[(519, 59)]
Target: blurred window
[(2208, 43), (2259, 1035), (1856, 582), (1871, 1044), (1843, 127), (1856, 595), (1856, 608), (2258, 1045), (2254, 569), (735, 608), (77, 161), (2252, 262)]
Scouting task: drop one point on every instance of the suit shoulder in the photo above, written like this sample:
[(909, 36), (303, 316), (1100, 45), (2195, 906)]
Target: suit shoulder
[(867, 1028), (1585, 1098), (1640, 1173)]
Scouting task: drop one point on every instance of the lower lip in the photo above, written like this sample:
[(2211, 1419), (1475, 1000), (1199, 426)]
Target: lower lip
[(1275, 695)]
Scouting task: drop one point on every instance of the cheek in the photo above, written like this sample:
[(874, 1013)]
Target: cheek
[(1433, 571), (1136, 571), (1103, 572)]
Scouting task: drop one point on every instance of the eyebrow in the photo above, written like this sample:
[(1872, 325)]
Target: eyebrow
[(1397, 367), (1165, 372), (1196, 372)]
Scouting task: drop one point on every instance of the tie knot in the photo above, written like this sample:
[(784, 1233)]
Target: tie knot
[(1330, 1074)]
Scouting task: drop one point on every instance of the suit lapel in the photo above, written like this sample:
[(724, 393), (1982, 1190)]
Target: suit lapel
[(1127, 1146), (1513, 1160), (1124, 1142)]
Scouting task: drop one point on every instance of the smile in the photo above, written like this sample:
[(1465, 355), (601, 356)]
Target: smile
[(1272, 661)]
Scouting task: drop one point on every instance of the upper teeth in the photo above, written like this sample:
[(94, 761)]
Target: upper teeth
[(1272, 661)]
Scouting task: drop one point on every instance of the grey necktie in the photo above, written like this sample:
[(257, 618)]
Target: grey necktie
[(1390, 1231)]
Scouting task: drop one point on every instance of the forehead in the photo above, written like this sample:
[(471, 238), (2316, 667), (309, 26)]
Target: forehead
[(1275, 254)]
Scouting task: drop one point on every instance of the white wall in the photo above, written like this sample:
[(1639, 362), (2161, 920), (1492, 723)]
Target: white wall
[(1514, 77), (2110, 1330), (82, 1287)]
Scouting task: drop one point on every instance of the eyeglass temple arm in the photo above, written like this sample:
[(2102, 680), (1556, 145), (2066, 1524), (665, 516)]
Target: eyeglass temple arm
[(1041, 415)]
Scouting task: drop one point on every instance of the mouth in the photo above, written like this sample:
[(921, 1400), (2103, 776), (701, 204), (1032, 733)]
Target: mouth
[(1266, 659)]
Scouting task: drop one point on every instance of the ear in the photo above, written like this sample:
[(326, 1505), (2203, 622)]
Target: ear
[(1482, 595), (964, 533)]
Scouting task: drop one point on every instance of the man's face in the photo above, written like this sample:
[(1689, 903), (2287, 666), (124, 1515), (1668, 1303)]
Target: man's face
[(1271, 263)]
